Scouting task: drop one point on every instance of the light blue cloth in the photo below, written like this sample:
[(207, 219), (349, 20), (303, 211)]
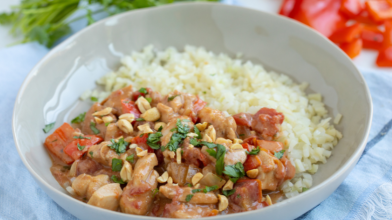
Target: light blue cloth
[(359, 195)]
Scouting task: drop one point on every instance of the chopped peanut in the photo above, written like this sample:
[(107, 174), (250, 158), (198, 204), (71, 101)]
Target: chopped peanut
[(228, 186), (103, 112), (172, 154), (128, 116), (143, 104), (107, 119), (151, 114), (196, 178), (236, 147), (128, 139), (178, 151), (140, 152), (145, 128), (202, 127), (125, 126), (191, 135), (126, 172), (132, 146), (268, 200), (72, 171), (223, 141), (237, 141), (98, 120), (252, 173), (163, 178), (223, 202), (211, 133), (170, 181), (190, 146)]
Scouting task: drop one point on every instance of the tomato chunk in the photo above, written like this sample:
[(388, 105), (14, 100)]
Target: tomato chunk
[(57, 141), (197, 106), (129, 106), (352, 49), (72, 148), (252, 162), (273, 146), (243, 119), (287, 7), (384, 58), (248, 147), (372, 37), (346, 34), (379, 10), (267, 122), (247, 196), (387, 35), (351, 8), (141, 141)]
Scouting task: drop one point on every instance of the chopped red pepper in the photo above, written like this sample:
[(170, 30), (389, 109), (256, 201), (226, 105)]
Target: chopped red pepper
[(248, 147), (384, 58), (57, 141), (72, 148), (372, 37), (129, 106), (197, 106), (351, 8), (352, 49), (387, 34), (287, 7), (252, 162), (379, 10), (346, 34), (141, 141)]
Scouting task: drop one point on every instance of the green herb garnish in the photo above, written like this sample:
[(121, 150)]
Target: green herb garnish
[(304, 189), (155, 192), (149, 99), (279, 154), (107, 124), (188, 197), (80, 147), (79, 118), (254, 151), (117, 180), (194, 142), (48, 127), (238, 196), (139, 119), (171, 98), (189, 185), (143, 90), (241, 135), (210, 188), (177, 138), (91, 154), (160, 128), (116, 164), (211, 152), (228, 192), (119, 146), (234, 171), (130, 158), (81, 137), (93, 128), (220, 159), (197, 131), (196, 190), (94, 99), (153, 140)]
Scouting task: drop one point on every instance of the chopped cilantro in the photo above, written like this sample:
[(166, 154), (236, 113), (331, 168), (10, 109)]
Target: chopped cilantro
[(182, 128), (188, 197), (238, 196), (234, 171), (160, 128), (220, 157), (189, 185), (305, 189), (94, 99), (163, 148), (197, 132), (241, 135), (173, 129), (196, 190), (194, 142), (130, 158), (210, 188), (67, 167), (107, 124), (254, 151), (143, 90), (149, 99), (116, 180), (279, 154), (228, 192), (91, 154), (155, 192), (153, 140), (48, 127), (81, 137), (79, 118), (211, 152), (177, 138), (93, 128), (80, 147), (116, 164), (139, 119), (171, 98), (119, 146)]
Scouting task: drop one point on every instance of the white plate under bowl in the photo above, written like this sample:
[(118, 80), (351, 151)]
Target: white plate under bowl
[(51, 90)]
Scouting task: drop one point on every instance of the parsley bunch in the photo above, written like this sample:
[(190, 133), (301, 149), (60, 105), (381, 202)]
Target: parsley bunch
[(46, 21)]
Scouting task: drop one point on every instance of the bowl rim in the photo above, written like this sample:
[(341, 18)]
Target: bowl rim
[(346, 165)]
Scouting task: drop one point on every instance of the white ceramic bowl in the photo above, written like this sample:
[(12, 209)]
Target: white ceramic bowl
[(51, 90)]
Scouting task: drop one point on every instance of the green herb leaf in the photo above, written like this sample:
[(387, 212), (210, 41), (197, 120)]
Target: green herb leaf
[(197, 131), (211, 152), (228, 192), (171, 98), (67, 167), (238, 196), (188, 197), (143, 90), (107, 124), (182, 128), (91, 154), (81, 137), (130, 158), (153, 140), (79, 118), (177, 138), (80, 147), (210, 188), (254, 151), (116, 164), (220, 159), (196, 190), (189, 185), (48, 127), (93, 128), (305, 189), (119, 146), (160, 129), (139, 119), (234, 171), (279, 154), (117, 180), (94, 99), (241, 135), (155, 192), (89, 17), (194, 142), (208, 144), (149, 99)]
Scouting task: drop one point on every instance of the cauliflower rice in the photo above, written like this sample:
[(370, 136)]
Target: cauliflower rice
[(233, 85)]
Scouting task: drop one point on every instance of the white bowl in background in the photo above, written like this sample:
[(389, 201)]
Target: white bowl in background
[(50, 91)]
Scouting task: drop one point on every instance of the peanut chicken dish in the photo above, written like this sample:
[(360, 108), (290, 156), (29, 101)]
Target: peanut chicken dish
[(142, 153)]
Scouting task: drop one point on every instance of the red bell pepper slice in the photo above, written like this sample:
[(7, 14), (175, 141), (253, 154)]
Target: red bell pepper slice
[(352, 49), (72, 148), (379, 10), (129, 106), (387, 35), (141, 141), (248, 147), (287, 7), (252, 162), (384, 58), (351, 8), (372, 37), (57, 141), (346, 34)]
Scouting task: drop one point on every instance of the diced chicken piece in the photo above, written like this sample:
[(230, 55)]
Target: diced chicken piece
[(180, 194), (166, 112), (167, 133), (107, 197), (113, 132), (87, 166), (156, 98), (196, 157), (138, 196), (102, 153), (225, 126), (85, 185), (89, 118), (186, 210), (267, 161), (267, 123), (268, 179), (247, 196), (234, 156), (114, 99)]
